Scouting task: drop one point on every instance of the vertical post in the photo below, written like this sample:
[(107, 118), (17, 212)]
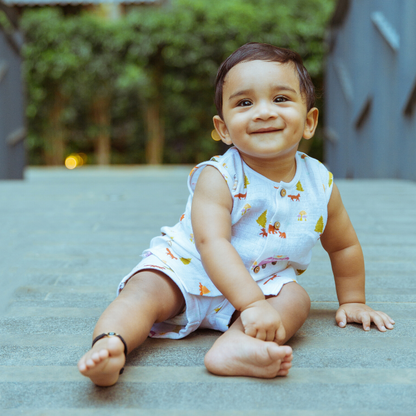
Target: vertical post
[(55, 133), (12, 103), (101, 106), (154, 118), (155, 134), (100, 115)]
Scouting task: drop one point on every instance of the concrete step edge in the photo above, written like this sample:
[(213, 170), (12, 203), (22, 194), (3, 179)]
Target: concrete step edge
[(31, 374), (350, 342), (316, 310), (192, 412), (314, 290)]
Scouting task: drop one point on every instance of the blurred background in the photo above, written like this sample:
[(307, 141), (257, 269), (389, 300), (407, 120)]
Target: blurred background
[(92, 83)]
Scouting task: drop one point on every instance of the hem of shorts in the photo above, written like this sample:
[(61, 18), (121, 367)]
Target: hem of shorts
[(190, 326)]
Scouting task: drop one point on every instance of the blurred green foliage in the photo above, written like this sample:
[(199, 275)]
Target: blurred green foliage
[(169, 53)]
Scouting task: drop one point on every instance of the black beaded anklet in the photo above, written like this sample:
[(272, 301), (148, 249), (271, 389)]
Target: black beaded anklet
[(115, 335)]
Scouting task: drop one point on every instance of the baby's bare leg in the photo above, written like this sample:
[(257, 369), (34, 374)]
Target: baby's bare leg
[(148, 297), (237, 354)]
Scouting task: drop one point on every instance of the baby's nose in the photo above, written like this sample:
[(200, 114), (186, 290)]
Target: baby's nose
[(264, 111)]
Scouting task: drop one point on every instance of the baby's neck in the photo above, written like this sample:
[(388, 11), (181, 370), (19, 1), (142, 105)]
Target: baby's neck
[(277, 171)]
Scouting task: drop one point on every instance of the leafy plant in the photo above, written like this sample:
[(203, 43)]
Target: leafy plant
[(156, 64)]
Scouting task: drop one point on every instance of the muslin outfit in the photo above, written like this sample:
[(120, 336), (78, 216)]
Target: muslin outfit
[(274, 228)]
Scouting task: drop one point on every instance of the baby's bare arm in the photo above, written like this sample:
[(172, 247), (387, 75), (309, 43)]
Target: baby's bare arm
[(340, 241), (211, 222)]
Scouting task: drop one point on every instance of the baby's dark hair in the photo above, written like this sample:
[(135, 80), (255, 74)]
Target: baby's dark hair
[(254, 51)]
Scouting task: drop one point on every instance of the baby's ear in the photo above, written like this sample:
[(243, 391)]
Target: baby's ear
[(311, 123), (222, 130)]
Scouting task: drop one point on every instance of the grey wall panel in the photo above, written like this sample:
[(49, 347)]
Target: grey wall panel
[(12, 118), (374, 48)]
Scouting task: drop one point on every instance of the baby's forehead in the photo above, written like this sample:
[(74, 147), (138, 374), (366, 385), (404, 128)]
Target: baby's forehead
[(256, 71)]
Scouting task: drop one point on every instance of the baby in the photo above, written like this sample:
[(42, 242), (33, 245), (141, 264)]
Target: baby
[(251, 221)]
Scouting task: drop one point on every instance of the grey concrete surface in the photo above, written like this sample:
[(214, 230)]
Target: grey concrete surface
[(68, 237)]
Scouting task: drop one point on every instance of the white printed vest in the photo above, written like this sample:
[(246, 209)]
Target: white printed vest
[(274, 225)]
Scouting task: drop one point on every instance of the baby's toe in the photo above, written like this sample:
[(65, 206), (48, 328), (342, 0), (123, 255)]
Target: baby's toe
[(96, 357), (103, 354), (285, 365), (81, 366), (282, 373), (89, 363), (287, 359)]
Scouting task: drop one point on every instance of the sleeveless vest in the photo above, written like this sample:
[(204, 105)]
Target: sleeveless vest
[(274, 224)]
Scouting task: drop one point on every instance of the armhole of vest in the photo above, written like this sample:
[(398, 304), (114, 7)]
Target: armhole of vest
[(329, 188), (324, 175), (199, 169)]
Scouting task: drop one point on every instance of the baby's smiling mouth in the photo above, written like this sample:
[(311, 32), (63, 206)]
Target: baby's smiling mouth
[(266, 130)]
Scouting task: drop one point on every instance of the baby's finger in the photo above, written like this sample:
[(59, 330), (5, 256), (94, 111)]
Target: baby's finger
[(366, 321), (280, 334), (379, 322), (270, 335), (261, 334), (341, 318), (388, 322), (250, 331)]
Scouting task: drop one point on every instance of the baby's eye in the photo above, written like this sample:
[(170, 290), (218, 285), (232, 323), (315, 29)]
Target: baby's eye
[(244, 103), (280, 99)]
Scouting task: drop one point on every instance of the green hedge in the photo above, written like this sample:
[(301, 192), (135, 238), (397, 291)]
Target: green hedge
[(168, 55)]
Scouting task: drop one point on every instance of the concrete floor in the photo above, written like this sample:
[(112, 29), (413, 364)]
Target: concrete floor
[(67, 238)]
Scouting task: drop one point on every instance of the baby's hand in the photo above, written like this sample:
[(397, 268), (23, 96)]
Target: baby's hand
[(361, 313), (262, 321)]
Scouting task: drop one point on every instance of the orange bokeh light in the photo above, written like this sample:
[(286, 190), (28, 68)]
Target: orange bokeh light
[(75, 160)]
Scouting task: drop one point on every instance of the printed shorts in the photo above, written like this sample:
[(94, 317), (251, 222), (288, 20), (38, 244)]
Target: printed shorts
[(212, 312)]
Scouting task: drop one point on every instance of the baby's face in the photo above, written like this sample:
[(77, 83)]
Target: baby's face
[(264, 112)]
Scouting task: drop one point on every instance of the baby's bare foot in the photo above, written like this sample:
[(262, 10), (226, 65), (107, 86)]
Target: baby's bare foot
[(237, 354), (102, 364)]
